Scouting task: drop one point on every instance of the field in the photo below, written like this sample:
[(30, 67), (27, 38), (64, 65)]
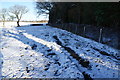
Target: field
[(48, 52), (14, 24)]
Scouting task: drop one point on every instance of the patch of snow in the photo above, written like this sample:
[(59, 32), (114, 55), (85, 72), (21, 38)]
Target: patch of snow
[(32, 52)]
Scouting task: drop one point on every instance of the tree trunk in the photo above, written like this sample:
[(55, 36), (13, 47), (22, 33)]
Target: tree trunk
[(3, 23), (18, 25)]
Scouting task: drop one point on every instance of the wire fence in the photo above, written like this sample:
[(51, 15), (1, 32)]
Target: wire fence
[(103, 35)]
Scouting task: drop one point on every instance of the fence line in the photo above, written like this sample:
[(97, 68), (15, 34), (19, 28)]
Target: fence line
[(92, 32), (78, 29)]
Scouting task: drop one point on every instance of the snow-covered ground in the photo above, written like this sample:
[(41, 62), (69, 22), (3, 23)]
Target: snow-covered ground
[(47, 52), (14, 24)]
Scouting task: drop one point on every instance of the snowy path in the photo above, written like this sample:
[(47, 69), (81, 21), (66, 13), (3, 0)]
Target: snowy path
[(46, 52)]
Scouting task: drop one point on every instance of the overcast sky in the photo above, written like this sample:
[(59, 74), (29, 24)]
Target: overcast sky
[(30, 4)]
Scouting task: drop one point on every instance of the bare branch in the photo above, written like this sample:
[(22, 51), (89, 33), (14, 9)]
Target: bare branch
[(18, 11), (3, 15), (44, 7)]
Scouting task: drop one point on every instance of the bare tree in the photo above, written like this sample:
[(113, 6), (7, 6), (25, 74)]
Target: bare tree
[(18, 11), (44, 7), (3, 15), (11, 18)]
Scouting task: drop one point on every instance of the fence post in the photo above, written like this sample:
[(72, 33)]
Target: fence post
[(100, 36), (65, 26), (84, 30), (62, 26), (76, 29), (69, 27)]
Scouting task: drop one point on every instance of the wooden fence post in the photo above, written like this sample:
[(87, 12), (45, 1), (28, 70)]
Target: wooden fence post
[(84, 30), (62, 25), (69, 27), (100, 36), (76, 29)]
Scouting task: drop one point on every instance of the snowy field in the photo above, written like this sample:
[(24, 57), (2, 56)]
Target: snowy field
[(14, 24), (47, 52)]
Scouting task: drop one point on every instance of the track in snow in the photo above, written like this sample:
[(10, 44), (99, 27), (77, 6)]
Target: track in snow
[(46, 52)]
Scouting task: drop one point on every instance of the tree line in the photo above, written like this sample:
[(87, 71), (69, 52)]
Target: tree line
[(93, 13), (99, 21), (14, 12)]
